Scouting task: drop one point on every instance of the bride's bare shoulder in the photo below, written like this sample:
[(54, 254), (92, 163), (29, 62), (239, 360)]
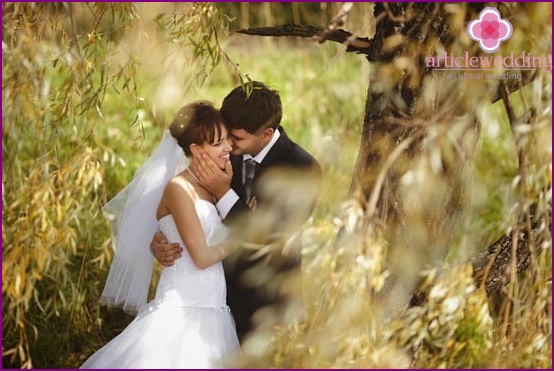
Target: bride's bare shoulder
[(179, 186), (178, 192)]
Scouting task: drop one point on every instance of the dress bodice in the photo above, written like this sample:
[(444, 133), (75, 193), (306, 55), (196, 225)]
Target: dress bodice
[(184, 284)]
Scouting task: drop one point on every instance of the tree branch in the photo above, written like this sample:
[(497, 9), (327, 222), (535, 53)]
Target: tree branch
[(492, 268), (360, 45), (336, 22)]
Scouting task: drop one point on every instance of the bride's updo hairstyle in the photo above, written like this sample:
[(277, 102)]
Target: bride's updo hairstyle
[(197, 123)]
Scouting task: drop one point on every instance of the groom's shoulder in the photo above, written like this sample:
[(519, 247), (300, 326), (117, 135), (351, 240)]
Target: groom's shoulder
[(299, 156), (302, 157), (295, 154)]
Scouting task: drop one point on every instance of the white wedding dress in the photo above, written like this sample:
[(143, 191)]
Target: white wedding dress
[(188, 324)]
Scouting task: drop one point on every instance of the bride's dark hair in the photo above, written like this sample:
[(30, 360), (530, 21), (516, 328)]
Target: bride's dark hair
[(197, 123)]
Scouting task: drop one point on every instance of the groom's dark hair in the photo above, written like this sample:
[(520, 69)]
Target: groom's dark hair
[(260, 110), (197, 123)]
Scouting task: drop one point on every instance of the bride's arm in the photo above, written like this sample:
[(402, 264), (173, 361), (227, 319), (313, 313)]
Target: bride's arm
[(181, 205)]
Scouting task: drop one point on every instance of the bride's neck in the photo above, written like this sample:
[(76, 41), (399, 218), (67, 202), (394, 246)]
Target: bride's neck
[(194, 177), (195, 182)]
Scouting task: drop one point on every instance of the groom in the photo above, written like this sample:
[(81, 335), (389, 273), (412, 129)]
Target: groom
[(271, 192)]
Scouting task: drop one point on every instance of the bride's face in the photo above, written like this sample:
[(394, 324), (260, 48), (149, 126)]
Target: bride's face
[(219, 150)]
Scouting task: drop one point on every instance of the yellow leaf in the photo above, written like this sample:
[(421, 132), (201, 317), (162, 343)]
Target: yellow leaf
[(17, 285), (59, 213), (21, 353)]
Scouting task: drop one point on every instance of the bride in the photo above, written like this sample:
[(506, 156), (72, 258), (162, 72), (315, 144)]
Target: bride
[(188, 324)]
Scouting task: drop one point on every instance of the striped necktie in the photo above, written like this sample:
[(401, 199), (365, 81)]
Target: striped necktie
[(249, 171)]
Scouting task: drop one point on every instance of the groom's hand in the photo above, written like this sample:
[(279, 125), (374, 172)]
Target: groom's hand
[(166, 253), (215, 180)]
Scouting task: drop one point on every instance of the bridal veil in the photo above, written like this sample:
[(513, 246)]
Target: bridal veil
[(132, 216)]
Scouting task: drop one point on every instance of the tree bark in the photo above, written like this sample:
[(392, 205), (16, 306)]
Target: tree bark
[(493, 268)]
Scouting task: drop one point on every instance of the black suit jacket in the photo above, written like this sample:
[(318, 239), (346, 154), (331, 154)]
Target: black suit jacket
[(286, 184)]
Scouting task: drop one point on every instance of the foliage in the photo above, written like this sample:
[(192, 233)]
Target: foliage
[(456, 327), (200, 27), (87, 89), (63, 65)]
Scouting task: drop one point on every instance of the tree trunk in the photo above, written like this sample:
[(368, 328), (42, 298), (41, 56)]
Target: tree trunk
[(401, 119)]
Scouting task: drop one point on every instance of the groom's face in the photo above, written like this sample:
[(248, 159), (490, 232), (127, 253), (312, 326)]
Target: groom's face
[(245, 143)]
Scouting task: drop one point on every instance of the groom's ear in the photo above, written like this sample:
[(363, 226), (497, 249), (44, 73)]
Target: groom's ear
[(267, 134)]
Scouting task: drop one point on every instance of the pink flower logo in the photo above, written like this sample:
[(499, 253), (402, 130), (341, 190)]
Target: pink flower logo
[(490, 30)]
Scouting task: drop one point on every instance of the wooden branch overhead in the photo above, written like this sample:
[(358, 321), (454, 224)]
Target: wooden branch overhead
[(361, 45)]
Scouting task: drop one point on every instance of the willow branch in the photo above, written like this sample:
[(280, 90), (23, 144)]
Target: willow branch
[(74, 38)]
